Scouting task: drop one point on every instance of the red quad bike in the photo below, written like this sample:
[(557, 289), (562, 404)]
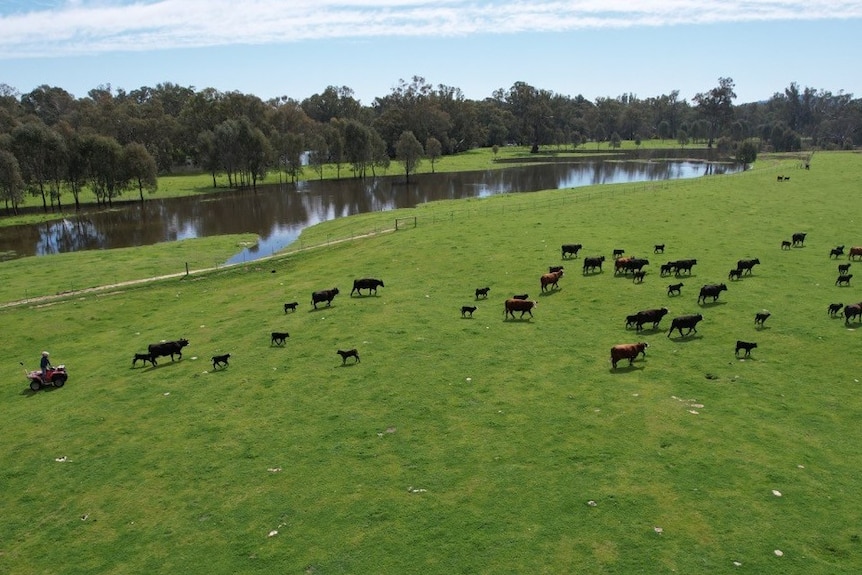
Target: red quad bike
[(55, 376)]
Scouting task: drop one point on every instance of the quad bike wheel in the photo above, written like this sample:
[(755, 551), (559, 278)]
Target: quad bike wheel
[(35, 385), (59, 381)]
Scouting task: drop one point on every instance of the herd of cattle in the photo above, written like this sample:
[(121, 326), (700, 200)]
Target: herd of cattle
[(520, 303), (631, 265)]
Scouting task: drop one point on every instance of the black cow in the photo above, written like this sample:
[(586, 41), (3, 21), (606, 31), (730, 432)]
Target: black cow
[(652, 316), (144, 357), (638, 277), (734, 274), (785, 244), (467, 309), (370, 284), (278, 337), (799, 239), (631, 320), (746, 345), (746, 265), (761, 317), (553, 269), (659, 248), (220, 360), (685, 321), (326, 295), (834, 308), (852, 311), (170, 348), (837, 251), (290, 306), (570, 249), (666, 269), (483, 292), (843, 268), (593, 263), (843, 279), (618, 252), (674, 289), (683, 266), (348, 353), (520, 296), (634, 265), (711, 290), (522, 305)]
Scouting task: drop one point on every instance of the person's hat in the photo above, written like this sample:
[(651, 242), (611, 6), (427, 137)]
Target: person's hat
[(45, 353)]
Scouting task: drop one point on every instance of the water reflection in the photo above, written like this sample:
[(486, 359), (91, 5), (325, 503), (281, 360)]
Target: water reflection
[(277, 213)]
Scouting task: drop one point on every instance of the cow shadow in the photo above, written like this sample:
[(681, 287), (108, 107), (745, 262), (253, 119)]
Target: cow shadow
[(550, 292), (685, 338), (517, 320), (593, 273), (627, 368), (712, 303), (318, 309), (761, 327)]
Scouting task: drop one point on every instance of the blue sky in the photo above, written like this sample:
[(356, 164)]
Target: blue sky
[(296, 48)]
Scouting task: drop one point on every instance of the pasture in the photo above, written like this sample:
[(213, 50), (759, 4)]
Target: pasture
[(459, 444)]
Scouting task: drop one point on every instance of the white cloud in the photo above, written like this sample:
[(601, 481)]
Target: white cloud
[(96, 26)]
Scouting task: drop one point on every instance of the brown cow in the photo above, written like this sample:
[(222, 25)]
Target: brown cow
[(855, 252), (628, 351), (551, 279), (522, 305)]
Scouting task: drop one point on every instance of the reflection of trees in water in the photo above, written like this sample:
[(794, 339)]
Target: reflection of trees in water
[(68, 235), (278, 212)]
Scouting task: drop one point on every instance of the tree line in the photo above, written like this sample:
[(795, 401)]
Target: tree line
[(112, 142)]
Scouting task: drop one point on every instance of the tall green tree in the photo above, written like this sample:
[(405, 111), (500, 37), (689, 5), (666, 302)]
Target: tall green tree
[(716, 107), (409, 152), (11, 182), (433, 150), (141, 169)]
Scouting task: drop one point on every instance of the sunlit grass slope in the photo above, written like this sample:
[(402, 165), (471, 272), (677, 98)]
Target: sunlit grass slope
[(461, 445)]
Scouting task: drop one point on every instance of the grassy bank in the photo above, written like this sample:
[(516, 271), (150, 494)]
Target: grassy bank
[(460, 445)]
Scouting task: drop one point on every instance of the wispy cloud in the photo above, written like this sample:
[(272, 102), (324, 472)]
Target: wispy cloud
[(60, 28)]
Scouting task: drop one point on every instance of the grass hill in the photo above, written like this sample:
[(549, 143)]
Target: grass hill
[(460, 445)]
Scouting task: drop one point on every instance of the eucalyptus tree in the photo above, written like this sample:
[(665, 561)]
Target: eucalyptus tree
[(207, 154), (333, 133), (357, 147), (379, 153), (318, 153), (716, 107), (11, 182), (106, 170), (141, 172), (48, 103), (333, 102), (414, 107), (433, 151), (40, 152), (408, 151)]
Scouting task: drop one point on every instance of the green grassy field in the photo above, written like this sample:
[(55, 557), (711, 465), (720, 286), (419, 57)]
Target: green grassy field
[(460, 445)]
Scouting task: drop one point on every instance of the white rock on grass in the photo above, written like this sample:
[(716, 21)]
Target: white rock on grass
[(779, 553), (776, 493)]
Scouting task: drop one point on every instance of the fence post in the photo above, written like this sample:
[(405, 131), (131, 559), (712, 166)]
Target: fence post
[(187, 268)]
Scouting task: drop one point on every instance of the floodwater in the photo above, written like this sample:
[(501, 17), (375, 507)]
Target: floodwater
[(277, 213)]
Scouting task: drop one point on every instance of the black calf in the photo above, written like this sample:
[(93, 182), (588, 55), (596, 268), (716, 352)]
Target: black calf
[(144, 357), (220, 360), (835, 308), (290, 306), (761, 317), (467, 310), (278, 337), (348, 353), (747, 346)]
